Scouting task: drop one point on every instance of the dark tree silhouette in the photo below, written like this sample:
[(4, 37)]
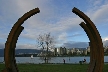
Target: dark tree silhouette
[(46, 43)]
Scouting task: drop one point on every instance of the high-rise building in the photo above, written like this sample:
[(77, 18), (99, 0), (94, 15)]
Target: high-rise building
[(68, 51), (59, 51), (88, 49), (78, 52), (64, 51), (55, 51), (85, 52)]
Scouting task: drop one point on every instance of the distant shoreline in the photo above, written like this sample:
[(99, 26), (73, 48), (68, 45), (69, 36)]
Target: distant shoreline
[(55, 56)]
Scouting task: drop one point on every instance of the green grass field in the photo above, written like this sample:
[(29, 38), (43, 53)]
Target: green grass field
[(53, 67)]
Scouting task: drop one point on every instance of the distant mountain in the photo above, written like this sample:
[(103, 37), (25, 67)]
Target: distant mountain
[(1, 52), (17, 51)]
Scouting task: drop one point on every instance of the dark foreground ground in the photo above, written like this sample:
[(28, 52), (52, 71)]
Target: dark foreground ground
[(53, 67)]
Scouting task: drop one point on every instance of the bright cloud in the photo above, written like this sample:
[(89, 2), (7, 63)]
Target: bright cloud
[(105, 38)]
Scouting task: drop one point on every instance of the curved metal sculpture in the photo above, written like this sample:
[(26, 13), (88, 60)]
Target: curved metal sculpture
[(95, 41), (96, 46), (10, 45), (92, 44)]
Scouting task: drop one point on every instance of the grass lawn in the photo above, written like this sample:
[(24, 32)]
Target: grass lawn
[(53, 68)]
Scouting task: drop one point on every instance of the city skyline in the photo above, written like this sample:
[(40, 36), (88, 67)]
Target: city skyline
[(55, 17)]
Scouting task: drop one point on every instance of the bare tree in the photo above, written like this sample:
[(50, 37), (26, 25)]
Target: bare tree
[(46, 43)]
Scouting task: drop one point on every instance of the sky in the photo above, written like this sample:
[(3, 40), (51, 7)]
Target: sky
[(56, 17)]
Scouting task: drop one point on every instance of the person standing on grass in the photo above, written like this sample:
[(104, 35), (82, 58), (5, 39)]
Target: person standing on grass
[(69, 58), (64, 61), (45, 59)]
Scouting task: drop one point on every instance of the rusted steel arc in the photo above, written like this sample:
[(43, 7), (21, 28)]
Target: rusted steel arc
[(21, 21), (8, 59), (13, 30), (90, 23), (18, 24), (96, 34), (91, 38), (18, 32), (89, 34), (86, 19), (99, 49)]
